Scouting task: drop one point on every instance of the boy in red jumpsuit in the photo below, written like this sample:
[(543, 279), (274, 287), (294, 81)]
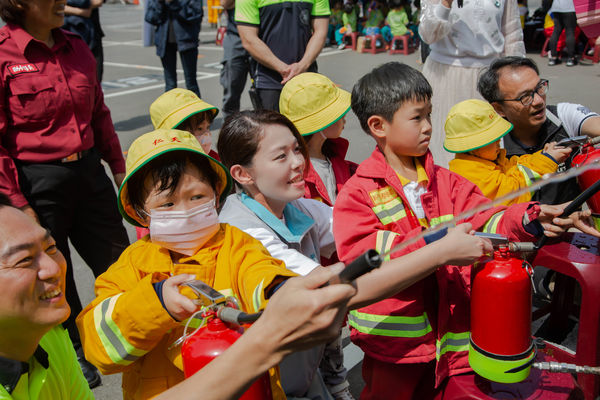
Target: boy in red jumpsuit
[(417, 338)]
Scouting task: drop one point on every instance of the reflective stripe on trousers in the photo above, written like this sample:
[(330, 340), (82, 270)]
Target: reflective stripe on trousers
[(451, 341)]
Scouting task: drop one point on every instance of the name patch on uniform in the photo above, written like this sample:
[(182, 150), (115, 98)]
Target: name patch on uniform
[(17, 69)]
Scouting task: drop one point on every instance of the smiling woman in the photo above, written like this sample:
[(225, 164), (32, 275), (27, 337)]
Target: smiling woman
[(267, 157), (55, 130)]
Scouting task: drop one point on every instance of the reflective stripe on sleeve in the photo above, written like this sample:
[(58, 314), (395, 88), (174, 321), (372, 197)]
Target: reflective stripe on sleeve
[(529, 174), (441, 219), (492, 224), (257, 296), (119, 350), (388, 325), (384, 242), (452, 341)]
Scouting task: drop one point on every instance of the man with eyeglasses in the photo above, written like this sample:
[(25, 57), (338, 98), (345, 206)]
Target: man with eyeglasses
[(514, 88)]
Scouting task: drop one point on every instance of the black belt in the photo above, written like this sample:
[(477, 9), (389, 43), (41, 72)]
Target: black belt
[(75, 156), (65, 160)]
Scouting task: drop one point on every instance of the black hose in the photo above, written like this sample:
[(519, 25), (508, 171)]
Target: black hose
[(572, 207)]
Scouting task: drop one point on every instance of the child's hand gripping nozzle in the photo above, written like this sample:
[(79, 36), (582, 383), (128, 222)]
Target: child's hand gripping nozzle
[(218, 330)]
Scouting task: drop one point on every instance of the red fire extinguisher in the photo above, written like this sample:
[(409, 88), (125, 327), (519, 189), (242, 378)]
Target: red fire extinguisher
[(589, 154), (501, 337), (216, 336)]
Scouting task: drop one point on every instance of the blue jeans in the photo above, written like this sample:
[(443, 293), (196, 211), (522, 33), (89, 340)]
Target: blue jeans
[(189, 61)]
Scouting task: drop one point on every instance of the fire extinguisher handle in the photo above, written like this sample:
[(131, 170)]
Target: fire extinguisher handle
[(573, 206), (367, 262)]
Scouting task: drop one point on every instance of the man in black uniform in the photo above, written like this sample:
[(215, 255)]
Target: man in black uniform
[(284, 37)]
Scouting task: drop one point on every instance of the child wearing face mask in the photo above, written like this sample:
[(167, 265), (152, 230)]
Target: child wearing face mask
[(473, 132), (318, 109), (174, 188), (183, 109)]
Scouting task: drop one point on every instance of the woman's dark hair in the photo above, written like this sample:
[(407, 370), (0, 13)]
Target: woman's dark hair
[(13, 11), (348, 7), (383, 91), (241, 134), (166, 170), (487, 84)]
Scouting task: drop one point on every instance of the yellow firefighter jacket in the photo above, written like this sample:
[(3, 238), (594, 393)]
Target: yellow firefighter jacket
[(498, 178), (126, 329)]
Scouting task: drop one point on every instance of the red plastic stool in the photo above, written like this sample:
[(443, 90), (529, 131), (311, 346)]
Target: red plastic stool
[(220, 35), (371, 44), (353, 36), (406, 47), (575, 256), (591, 44), (538, 385)]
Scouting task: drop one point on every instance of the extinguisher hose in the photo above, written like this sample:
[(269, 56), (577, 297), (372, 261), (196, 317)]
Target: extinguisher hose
[(573, 206), (235, 316)]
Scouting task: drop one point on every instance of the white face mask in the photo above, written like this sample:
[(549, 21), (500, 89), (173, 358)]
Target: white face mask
[(185, 231), (206, 142)]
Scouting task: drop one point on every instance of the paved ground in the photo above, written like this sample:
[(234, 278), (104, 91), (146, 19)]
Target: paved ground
[(133, 79)]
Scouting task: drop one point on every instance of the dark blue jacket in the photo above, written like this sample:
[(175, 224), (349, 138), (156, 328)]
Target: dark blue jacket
[(88, 28), (185, 15)]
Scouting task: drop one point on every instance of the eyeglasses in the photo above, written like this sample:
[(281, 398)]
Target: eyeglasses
[(527, 98)]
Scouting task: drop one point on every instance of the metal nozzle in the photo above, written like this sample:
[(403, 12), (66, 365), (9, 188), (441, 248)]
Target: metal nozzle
[(207, 296)]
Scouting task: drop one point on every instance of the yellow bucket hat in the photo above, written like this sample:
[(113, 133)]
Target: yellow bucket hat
[(175, 106), (313, 102), (472, 124), (152, 145)]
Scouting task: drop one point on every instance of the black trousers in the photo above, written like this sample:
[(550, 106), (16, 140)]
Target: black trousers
[(269, 98), (189, 62), (568, 22), (233, 79), (76, 201)]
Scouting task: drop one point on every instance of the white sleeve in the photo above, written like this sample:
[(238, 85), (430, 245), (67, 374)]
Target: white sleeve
[(512, 31), (572, 117), (435, 24), (322, 214), (293, 259)]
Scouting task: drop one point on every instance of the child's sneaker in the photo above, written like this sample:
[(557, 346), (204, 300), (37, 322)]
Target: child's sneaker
[(342, 46), (552, 61), (343, 394), (571, 62)]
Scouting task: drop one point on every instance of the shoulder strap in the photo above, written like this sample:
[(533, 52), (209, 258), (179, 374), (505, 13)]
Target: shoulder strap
[(551, 112)]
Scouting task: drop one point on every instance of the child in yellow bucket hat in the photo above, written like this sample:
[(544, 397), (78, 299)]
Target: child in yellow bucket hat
[(317, 107), (173, 187), (183, 109), (473, 132)]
